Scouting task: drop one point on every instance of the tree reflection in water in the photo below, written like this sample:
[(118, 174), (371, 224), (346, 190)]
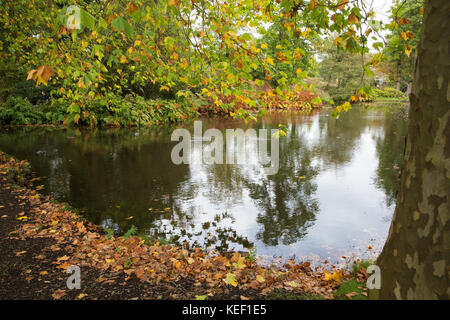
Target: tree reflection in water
[(125, 177)]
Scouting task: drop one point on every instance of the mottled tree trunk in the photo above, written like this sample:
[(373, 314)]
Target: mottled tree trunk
[(415, 259), (398, 84), (408, 90)]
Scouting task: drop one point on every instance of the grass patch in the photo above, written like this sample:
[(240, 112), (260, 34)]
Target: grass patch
[(352, 289), (359, 265)]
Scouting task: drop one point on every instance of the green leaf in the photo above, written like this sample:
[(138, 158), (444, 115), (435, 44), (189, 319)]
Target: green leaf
[(120, 24), (86, 20)]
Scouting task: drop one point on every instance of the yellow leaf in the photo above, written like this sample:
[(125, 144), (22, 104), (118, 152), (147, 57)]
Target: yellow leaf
[(123, 59), (231, 279), (403, 35), (43, 273), (269, 60), (335, 276), (260, 278), (164, 88), (293, 284), (313, 4), (337, 41), (63, 258), (239, 265), (408, 50), (263, 46), (184, 64)]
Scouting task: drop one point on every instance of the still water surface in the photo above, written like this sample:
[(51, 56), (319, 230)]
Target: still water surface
[(334, 193)]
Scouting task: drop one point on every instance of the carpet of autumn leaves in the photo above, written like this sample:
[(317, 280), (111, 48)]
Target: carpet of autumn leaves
[(86, 245)]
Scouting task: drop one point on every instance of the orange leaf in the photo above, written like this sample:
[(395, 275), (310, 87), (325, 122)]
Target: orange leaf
[(342, 4)]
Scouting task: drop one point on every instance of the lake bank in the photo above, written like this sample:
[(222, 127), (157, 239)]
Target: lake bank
[(40, 239)]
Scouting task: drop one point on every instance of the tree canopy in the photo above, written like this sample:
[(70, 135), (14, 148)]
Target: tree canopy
[(218, 50)]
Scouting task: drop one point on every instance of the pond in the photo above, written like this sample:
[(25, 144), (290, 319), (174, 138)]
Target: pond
[(333, 195)]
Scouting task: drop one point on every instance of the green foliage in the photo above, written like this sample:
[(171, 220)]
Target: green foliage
[(281, 44), (351, 289), (164, 241), (110, 110), (388, 93), (131, 232), (17, 110), (166, 49), (252, 255), (342, 71), (109, 232), (357, 266), (13, 83), (401, 47)]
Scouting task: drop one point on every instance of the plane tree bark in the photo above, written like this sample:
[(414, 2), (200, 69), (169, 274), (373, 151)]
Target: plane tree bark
[(415, 260)]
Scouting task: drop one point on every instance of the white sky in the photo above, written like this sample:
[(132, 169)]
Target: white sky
[(381, 7)]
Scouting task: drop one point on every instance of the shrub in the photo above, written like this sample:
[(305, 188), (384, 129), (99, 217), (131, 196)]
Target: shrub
[(17, 110), (111, 109), (388, 93)]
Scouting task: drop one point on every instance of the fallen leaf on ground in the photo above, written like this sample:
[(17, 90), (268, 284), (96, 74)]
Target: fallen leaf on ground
[(351, 294), (231, 279), (58, 294)]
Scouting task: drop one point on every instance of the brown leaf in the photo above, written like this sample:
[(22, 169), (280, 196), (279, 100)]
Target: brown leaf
[(353, 18), (351, 294), (58, 294)]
